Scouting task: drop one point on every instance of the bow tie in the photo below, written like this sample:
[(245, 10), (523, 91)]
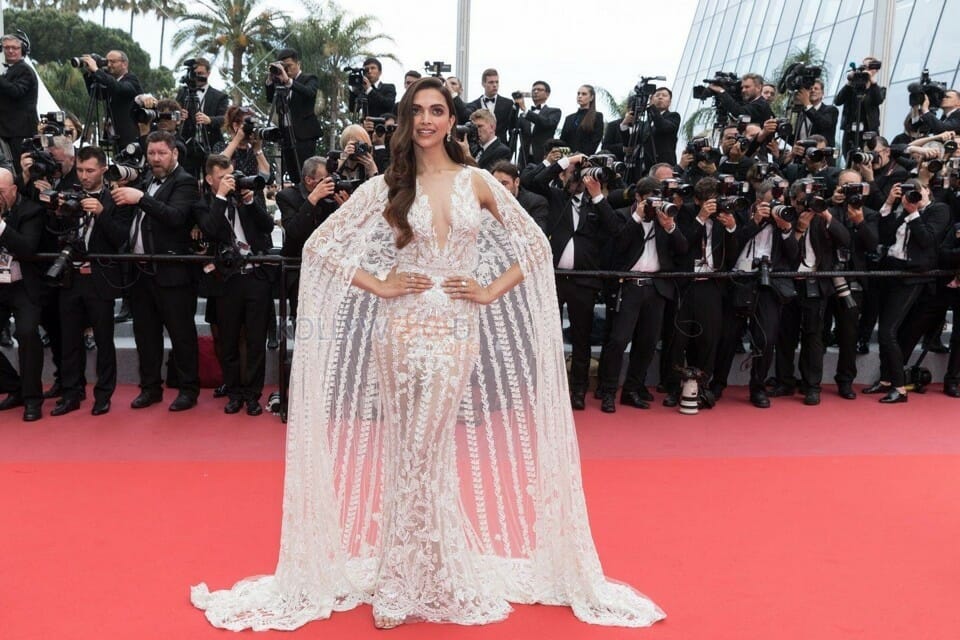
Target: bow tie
[(7, 65), (535, 107), (489, 100), (157, 180)]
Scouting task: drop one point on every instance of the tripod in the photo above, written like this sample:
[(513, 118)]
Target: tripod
[(92, 134), (194, 137), (517, 141), (642, 130), (281, 108)]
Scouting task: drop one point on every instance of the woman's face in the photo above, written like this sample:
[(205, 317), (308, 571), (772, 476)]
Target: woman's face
[(584, 97), (431, 119)]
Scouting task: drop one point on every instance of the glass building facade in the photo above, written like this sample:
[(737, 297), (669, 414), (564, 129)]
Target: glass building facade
[(756, 36)]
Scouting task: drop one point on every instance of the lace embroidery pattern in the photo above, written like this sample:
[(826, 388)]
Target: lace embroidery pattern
[(432, 463)]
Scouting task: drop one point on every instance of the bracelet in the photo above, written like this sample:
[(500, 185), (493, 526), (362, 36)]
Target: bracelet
[(258, 152)]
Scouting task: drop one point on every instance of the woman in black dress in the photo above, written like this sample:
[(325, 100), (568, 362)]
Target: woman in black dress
[(583, 130)]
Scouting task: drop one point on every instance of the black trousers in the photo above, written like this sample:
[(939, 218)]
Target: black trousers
[(697, 332), (80, 307), (579, 300), (764, 326), (897, 298), (293, 161), (50, 321), (154, 308), (26, 315), (870, 310), (926, 317), (246, 303), (801, 322), (847, 320), (637, 322)]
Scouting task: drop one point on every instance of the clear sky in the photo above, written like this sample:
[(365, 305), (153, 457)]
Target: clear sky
[(607, 44)]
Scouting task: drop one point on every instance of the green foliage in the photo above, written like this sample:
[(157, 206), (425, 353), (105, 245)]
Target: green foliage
[(329, 40), (66, 85)]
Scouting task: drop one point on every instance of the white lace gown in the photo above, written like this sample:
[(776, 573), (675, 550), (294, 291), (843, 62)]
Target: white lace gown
[(432, 466)]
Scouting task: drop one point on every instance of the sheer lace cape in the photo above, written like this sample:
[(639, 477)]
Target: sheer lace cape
[(517, 454)]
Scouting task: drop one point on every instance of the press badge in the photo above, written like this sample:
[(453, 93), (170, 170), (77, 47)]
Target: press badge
[(9, 269)]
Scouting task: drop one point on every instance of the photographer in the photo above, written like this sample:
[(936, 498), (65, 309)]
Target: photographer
[(18, 99), (699, 160), (453, 85), (753, 104), (244, 150), (860, 98), (768, 245), (230, 217), (381, 97), (356, 162), (538, 123), (580, 225), (647, 243), (489, 150), (820, 237), (813, 159), (535, 205), (710, 234), (88, 288), (733, 146), (848, 207), (210, 104), (911, 229), (380, 135), (23, 292), (119, 87), (303, 208), (499, 106), (950, 297), (163, 295), (815, 118), (48, 168), (301, 89), (659, 137)]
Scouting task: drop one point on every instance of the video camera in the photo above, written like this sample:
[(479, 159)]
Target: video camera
[(603, 168), (436, 68), (189, 78), (355, 77), (729, 81), (798, 76), (53, 123), (858, 77), (77, 62), (926, 88)]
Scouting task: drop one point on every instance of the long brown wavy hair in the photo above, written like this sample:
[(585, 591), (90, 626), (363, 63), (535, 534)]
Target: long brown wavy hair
[(401, 175), (590, 117)]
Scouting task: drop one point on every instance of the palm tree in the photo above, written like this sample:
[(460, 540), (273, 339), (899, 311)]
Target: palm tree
[(165, 9), (228, 29), (328, 41)]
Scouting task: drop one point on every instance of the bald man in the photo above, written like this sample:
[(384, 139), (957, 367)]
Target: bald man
[(21, 290)]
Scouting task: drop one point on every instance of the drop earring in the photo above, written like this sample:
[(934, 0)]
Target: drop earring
[(450, 135)]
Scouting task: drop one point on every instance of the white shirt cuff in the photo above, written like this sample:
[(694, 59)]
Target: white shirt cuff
[(220, 197), (3, 226), (885, 210), (596, 199), (564, 163), (913, 216)]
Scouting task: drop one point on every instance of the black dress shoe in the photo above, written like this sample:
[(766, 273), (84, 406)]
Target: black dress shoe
[(645, 394), (661, 388), (952, 389), (863, 347), (12, 401), (893, 396), (671, 400), (598, 393), (233, 406), (812, 397), (220, 392), (89, 343), (634, 399), (32, 412), (876, 387), (782, 390), (53, 392), (100, 407), (124, 313), (145, 399), (759, 399), (183, 402), (608, 403), (254, 408), (578, 400), (273, 343), (65, 406), (846, 391)]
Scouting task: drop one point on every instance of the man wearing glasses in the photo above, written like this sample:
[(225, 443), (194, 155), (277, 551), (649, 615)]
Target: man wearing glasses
[(18, 99), (118, 87)]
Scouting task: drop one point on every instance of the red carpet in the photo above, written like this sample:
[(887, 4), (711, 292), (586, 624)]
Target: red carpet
[(811, 523)]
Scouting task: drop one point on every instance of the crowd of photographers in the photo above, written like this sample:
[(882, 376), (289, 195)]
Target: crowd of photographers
[(192, 175)]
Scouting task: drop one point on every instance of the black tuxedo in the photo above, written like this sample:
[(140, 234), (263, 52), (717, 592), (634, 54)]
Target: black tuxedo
[(87, 298), (245, 298), (215, 104), (612, 141), (18, 107), (946, 122), (119, 93), (577, 139), (493, 154), (535, 205), (165, 294), (758, 109), (869, 114), (641, 301), (299, 219), (380, 100), (659, 138), (504, 111), (21, 237), (883, 180), (821, 120), (303, 120), (538, 126)]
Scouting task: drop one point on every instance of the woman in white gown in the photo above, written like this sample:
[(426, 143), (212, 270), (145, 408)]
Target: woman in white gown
[(432, 467)]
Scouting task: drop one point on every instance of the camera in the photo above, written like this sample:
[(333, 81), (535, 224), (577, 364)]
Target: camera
[(911, 193), (146, 116), (825, 154), (784, 129), (245, 182), (517, 95), (863, 157), (602, 167), (798, 76), (53, 123), (853, 193), (654, 205), (672, 187), (731, 204), (189, 79), (858, 77), (127, 165), (783, 211), (355, 77), (812, 194), (44, 167), (926, 88), (275, 68), (380, 126), (436, 68), (729, 81), (468, 132), (360, 149), (66, 202), (77, 63), (763, 264), (265, 134), (339, 182), (701, 151)]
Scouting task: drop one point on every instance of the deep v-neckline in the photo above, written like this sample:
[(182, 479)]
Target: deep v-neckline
[(425, 201)]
